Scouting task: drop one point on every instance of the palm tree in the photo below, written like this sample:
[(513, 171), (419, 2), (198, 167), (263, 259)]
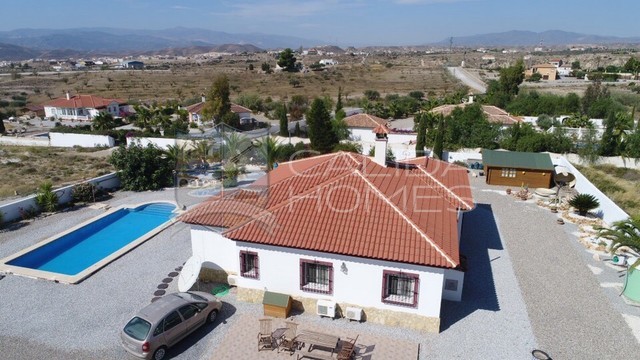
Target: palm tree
[(235, 146), (103, 121), (623, 233), (270, 150), (178, 155)]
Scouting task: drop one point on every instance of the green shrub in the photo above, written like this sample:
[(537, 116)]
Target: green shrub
[(583, 203), (84, 193), (46, 198)]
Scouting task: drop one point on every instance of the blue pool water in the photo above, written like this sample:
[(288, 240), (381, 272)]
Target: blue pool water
[(74, 252)]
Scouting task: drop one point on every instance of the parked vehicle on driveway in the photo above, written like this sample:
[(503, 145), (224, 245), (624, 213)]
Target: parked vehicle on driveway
[(163, 323)]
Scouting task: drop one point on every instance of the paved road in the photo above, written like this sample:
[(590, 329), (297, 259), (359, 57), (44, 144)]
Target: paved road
[(468, 79)]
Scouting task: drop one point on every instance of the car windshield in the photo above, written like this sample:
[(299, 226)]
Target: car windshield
[(137, 328), (191, 296)]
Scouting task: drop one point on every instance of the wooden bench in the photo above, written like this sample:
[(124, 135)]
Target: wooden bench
[(318, 339)]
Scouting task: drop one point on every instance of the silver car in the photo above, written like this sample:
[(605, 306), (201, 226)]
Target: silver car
[(166, 321)]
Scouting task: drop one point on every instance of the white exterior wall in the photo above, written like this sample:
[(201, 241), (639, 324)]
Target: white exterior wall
[(81, 140), (361, 285), (402, 138), (359, 134), (72, 113), (11, 211)]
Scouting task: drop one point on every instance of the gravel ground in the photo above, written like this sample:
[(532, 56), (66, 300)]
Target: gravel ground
[(92, 312), (42, 319), (572, 316), (523, 289)]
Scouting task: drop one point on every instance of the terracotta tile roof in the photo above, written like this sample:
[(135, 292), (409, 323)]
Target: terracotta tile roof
[(381, 129), (364, 121), (239, 109), (197, 108), (345, 203), (83, 101), (493, 113)]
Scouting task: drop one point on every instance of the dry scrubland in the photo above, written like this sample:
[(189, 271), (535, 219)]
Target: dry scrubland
[(187, 80), (620, 184), (25, 168)]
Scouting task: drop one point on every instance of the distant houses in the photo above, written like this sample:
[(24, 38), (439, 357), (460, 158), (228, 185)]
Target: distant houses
[(493, 113), (132, 64), (546, 71)]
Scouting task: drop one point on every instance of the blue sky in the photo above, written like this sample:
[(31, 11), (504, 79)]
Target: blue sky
[(344, 22)]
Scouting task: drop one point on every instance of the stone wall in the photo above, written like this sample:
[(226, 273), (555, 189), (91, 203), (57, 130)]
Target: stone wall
[(379, 316)]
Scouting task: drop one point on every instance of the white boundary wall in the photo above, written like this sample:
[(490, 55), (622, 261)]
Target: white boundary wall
[(608, 210), (81, 140), (11, 211), (24, 141)]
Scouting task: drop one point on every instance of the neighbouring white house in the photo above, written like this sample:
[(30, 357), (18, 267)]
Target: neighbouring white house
[(328, 62), (83, 107), (342, 228), (565, 70), (195, 112), (401, 142)]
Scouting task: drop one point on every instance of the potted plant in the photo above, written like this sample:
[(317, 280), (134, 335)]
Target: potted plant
[(583, 203), (230, 175), (508, 191)]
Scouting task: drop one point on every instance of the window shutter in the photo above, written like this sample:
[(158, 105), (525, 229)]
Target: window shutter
[(331, 279), (242, 264), (384, 286), (302, 274), (416, 290), (256, 265)]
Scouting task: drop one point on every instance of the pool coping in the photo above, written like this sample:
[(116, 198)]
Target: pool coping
[(77, 278)]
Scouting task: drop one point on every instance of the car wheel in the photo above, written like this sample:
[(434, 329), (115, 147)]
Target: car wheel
[(160, 353), (212, 316)]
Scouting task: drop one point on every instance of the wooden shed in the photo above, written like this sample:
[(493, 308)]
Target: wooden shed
[(276, 304), (513, 168)]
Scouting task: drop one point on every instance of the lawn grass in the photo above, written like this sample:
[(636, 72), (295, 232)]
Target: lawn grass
[(622, 185), (25, 168)]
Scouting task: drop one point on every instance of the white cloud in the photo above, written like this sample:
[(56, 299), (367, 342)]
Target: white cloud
[(414, 2), (277, 9), (180, 7)]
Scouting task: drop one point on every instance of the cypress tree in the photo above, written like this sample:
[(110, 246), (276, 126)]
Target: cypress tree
[(321, 133), (284, 122), (438, 146), (421, 140)]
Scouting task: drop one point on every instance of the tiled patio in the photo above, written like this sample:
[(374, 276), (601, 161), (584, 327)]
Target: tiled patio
[(241, 341)]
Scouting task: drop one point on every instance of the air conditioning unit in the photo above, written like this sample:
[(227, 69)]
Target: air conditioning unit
[(326, 308), (232, 280), (354, 313), (619, 260)]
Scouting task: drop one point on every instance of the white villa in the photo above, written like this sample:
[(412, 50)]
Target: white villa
[(342, 228), (83, 107), (195, 112)]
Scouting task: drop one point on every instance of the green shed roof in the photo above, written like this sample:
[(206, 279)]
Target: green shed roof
[(516, 159), (276, 299)]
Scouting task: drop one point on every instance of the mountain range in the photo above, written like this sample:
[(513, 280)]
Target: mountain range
[(22, 44), (530, 38)]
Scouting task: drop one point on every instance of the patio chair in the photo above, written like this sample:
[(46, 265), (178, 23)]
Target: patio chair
[(288, 341), (265, 339), (348, 349)]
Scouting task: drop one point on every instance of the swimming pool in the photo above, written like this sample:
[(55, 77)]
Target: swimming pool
[(77, 253)]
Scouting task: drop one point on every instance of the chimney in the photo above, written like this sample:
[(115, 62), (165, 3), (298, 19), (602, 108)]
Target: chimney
[(470, 101), (380, 156), (203, 98), (68, 96)]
